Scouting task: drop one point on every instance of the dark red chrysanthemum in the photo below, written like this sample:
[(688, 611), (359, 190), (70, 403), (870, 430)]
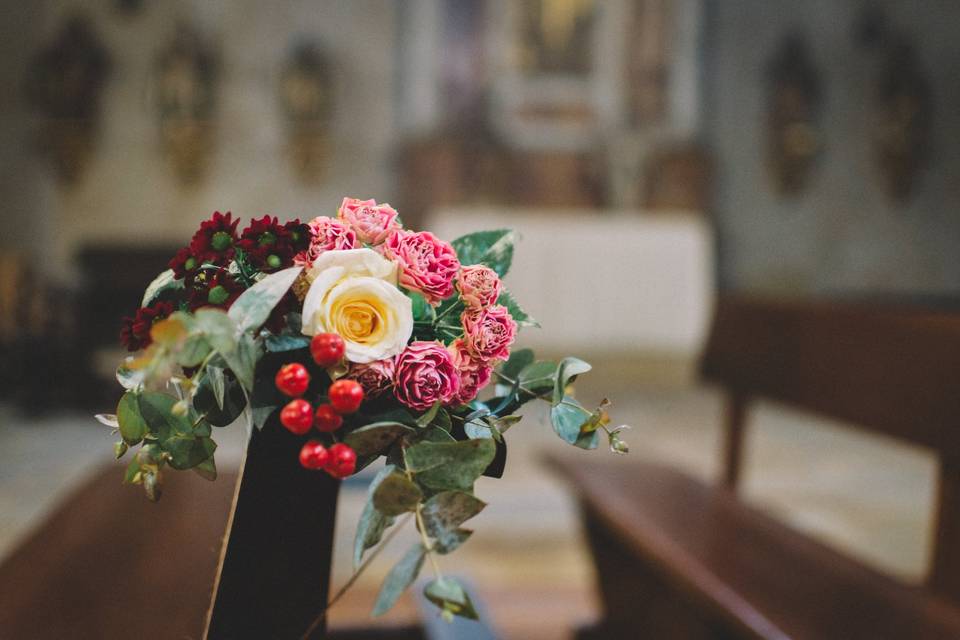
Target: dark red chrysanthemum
[(267, 244), (216, 239), (184, 265), (135, 332), (214, 288), (300, 235)]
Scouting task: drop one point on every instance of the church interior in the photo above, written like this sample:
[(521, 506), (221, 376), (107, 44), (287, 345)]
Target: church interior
[(743, 213)]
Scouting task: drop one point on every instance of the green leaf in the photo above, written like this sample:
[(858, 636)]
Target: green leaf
[(217, 383), (539, 376), (428, 417), (161, 283), (277, 344), (477, 428), (445, 512), (243, 360), (521, 317), (453, 465), (254, 305), (207, 469), (375, 438), (262, 414), (396, 494), (132, 425), (132, 473), (422, 311), (157, 411), (372, 523), (187, 452), (492, 248), (452, 541), (568, 418), (119, 448), (217, 327), (567, 372), (130, 378), (518, 360), (193, 350), (447, 594), (400, 577)]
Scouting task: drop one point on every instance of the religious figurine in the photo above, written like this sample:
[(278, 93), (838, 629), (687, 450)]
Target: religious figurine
[(185, 92), (793, 132), (64, 84), (305, 96)]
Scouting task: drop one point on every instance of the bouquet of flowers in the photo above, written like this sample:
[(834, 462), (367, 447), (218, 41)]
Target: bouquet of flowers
[(363, 339)]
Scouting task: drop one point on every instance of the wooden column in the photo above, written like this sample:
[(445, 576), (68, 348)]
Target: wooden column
[(945, 573), (274, 573)]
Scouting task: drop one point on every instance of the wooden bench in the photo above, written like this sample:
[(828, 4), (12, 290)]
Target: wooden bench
[(676, 558)]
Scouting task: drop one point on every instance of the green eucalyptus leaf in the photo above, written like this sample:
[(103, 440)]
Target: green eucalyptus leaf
[(372, 523), (434, 433), (445, 512), (447, 594), (422, 311), (518, 360), (400, 577), (396, 494), (119, 448), (166, 280), (132, 425), (428, 417), (453, 465), (492, 248), (254, 305), (157, 411), (130, 379), (207, 469), (217, 327), (538, 376), (218, 384), (243, 360), (479, 429), (521, 317), (452, 541), (375, 438), (442, 420), (277, 344), (261, 415), (193, 350), (187, 451), (567, 418), (131, 474), (567, 372)]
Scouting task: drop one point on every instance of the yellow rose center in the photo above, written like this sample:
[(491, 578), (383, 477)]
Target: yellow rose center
[(360, 321)]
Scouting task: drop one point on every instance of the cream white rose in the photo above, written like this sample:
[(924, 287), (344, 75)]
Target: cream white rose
[(354, 293)]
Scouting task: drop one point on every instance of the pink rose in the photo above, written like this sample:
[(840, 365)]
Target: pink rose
[(327, 234), (474, 374), (375, 377), (479, 286), (489, 332), (427, 264), (372, 222), (425, 374)]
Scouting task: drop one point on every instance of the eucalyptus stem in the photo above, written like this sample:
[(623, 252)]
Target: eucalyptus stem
[(356, 574), (427, 544)]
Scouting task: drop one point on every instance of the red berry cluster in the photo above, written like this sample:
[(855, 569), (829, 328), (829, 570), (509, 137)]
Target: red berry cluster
[(299, 417)]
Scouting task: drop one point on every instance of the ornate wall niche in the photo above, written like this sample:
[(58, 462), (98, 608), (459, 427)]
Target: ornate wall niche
[(185, 93), (794, 136), (903, 119), (64, 84), (307, 104)]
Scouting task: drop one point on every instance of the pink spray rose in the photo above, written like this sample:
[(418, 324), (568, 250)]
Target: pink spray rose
[(372, 222), (328, 234), (427, 264), (474, 374), (425, 374), (375, 377), (488, 333), (479, 286)]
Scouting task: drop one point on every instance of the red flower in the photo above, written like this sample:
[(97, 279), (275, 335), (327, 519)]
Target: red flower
[(135, 333), (216, 239), (214, 288), (300, 235), (267, 244), (184, 265)]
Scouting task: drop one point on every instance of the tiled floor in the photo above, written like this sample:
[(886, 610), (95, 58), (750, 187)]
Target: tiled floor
[(526, 560)]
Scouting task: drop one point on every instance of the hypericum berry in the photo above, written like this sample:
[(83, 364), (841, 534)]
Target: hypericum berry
[(293, 379), (346, 395), (327, 349), (297, 416), (314, 455), (327, 418), (341, 461)]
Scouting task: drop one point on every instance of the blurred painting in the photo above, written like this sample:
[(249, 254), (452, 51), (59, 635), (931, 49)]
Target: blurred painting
[(555, 36), (305, 97)]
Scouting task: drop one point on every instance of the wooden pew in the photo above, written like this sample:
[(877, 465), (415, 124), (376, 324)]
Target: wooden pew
[(676, 558)]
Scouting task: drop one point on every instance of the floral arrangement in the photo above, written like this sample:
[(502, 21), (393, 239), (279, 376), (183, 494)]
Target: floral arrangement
[(360, 337)]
